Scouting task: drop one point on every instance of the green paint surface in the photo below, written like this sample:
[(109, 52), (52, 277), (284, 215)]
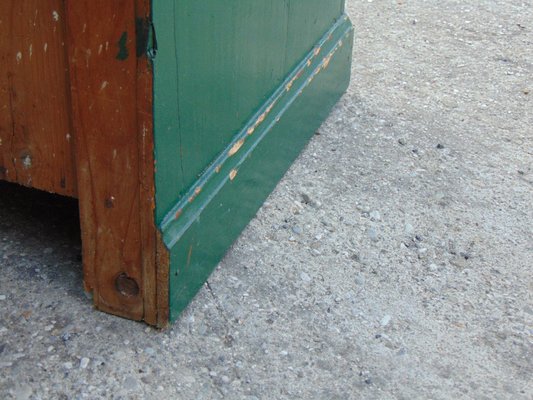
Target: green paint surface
[(225, 69), (122, 44)]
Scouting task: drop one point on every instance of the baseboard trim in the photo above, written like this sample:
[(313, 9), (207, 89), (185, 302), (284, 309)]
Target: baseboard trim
[(227, 165)]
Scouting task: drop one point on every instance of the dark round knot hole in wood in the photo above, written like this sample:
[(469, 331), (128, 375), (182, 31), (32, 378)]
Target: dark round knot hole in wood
[(126, 285)]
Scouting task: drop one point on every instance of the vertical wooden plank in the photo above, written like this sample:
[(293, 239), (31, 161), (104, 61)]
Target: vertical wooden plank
[(152, 289), (35, 130), (103, 70)]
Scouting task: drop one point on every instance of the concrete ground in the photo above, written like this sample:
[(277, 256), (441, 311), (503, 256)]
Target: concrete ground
[(394, 261)]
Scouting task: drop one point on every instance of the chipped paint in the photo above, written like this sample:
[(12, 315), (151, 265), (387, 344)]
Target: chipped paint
[(243, 145), (326, 62), (123, 52), (104, 85), (19, 57), (55, 16), (88, 54), (235, 148), (189, 255), (26, 162), (195, 194)]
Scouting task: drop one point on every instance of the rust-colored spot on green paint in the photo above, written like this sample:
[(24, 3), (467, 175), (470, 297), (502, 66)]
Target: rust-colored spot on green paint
[(122, 44)]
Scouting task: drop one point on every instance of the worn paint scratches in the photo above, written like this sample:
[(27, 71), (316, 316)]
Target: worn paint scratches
[(195, 194), (235, 148), (235, 154), (123, 52), (26, 161), (262, 117), (189, 255)]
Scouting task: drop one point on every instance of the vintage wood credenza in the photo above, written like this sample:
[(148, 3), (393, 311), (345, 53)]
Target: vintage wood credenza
[(169, 120)]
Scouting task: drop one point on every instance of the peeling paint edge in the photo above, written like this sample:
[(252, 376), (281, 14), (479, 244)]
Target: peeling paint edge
[(225, 166)]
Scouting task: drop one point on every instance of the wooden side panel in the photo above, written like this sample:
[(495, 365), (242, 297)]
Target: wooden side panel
[(35, 131), (113, 134)]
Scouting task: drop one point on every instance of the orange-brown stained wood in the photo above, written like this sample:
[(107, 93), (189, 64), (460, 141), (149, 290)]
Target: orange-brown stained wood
[(110, 155), (155, 275), (36, 143)]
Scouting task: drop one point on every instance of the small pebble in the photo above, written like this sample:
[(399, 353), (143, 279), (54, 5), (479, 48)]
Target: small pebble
[(433, 267), (458, 262), (150, 351), (386, 320), (23, 392), (297, 230), (373, 234), (84, 362), (65, 337), (304, 276), (2, 297), (67, 365), (375, 216), (130, 383)]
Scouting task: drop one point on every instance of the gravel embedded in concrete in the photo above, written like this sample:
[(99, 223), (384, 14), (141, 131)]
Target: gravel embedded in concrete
[(404, 270)]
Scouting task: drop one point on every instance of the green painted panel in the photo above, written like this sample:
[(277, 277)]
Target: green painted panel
[(218, 62), (239, 87), (203, 245)]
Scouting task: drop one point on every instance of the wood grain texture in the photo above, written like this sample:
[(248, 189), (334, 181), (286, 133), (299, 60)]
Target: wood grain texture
[(36, 146), (112, 150), (152, 270)]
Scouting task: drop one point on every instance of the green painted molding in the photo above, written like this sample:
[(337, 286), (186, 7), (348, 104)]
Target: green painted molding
[(227, 164)]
